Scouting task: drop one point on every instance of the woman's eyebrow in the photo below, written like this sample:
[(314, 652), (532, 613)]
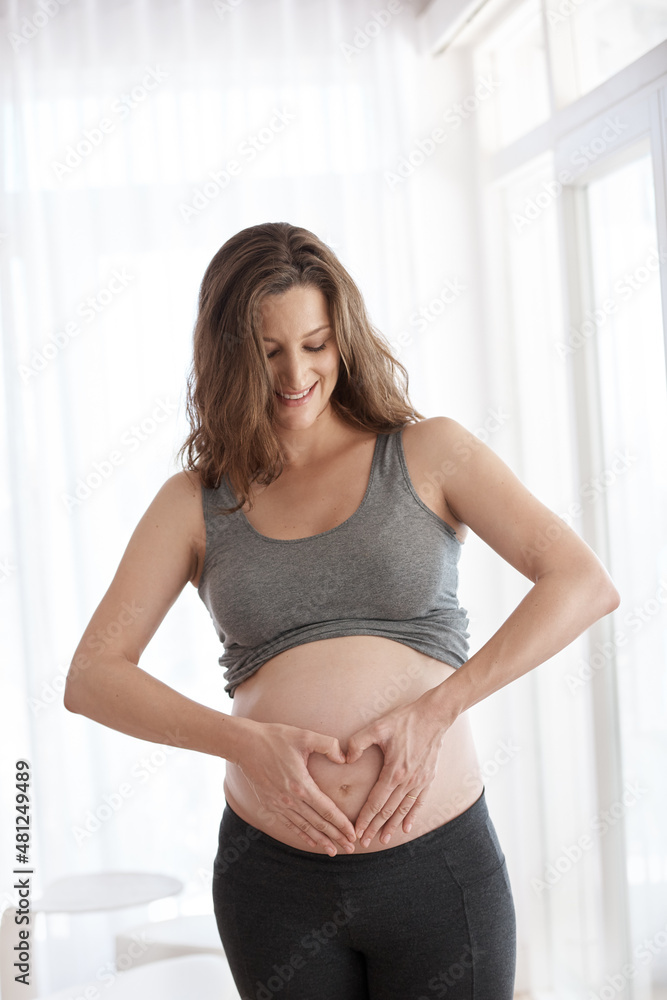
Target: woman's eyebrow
[(326, 326)]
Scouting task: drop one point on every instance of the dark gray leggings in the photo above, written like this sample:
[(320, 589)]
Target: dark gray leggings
[(430, 918)]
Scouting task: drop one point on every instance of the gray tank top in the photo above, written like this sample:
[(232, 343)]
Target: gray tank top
[(389, 570)]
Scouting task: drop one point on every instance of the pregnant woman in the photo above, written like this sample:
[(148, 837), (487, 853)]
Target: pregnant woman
[(321, 519)]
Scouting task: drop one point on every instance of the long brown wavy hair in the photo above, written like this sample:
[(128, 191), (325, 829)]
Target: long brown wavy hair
[(230, 391)]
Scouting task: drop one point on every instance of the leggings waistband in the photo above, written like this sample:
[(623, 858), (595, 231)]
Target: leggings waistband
[(451, 831)]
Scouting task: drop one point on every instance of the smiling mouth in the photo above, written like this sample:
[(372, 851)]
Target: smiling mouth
[(298, 395)]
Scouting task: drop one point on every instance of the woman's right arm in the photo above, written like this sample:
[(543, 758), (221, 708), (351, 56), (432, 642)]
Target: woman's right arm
[(106, 684), (104, 681)]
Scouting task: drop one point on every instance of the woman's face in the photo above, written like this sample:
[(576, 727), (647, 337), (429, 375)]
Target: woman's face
[(302, 351)]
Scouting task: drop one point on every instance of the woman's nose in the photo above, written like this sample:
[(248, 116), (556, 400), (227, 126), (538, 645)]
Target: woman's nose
[(293, 373)]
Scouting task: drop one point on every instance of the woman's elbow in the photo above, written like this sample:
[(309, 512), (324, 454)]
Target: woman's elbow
[(71, 700), (613, 598), (75, 683), (601, 592)]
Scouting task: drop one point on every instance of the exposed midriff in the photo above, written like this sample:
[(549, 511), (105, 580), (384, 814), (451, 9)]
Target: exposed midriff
[(335, 687)]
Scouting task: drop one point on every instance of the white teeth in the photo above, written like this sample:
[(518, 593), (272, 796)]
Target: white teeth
[(300, 395)]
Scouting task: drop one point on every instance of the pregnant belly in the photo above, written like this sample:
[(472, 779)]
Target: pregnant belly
[(336, 687)]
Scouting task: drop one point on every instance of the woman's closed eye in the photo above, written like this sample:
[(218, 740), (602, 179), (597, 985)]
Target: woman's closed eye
[(312, 349)]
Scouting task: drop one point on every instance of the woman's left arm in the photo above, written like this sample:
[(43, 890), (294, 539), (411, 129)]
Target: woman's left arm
[(571, 591)]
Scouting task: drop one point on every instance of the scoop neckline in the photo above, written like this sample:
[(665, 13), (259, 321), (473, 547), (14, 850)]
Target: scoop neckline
[(329, 531)]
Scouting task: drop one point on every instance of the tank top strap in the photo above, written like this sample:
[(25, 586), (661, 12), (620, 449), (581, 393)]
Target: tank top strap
[(387, 470), (216, 497)]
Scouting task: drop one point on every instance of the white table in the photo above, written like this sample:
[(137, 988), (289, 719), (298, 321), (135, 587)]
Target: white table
[(94, 891), (85, 893)]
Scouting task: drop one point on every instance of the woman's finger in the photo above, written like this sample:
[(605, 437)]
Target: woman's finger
[(416, 803), (377, 798), (385, 814), (318, 826), (359, 742), (403, 816), (299, 825), (336, 823), (317, 815), (382, 817), (293, 828)]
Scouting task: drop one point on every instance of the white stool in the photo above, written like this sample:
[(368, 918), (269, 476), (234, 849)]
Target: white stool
[(205, 977), (160, 939)]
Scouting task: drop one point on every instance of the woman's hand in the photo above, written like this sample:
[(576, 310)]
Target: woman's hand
[(410, 738), (274, 761)]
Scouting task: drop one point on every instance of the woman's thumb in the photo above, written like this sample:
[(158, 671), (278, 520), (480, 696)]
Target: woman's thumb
[(334, 752)]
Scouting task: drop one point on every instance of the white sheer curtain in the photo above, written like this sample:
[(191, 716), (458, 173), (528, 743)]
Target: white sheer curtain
[(119, 122)]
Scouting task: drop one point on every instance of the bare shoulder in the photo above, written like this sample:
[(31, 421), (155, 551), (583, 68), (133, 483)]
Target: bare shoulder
[(428, 445), (458, 467), (180, 497), (182, 487), (446, 445), (181, 494), (437, 433)]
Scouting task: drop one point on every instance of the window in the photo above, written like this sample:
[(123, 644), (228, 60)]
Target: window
[(514, 55), (606, 35), (573, 184), (629, 354)]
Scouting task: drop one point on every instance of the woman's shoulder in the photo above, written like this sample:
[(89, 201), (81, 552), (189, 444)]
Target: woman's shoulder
[(430, 447), (435, 434), (183, 487), (181, 496)]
